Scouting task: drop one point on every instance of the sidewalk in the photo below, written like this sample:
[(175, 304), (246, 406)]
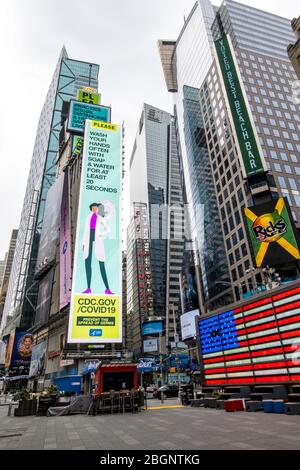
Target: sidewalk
[(165, 428)]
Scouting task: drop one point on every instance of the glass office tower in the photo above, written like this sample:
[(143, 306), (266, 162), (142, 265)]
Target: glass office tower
[(260, 42), (69, 76), (156, 183)]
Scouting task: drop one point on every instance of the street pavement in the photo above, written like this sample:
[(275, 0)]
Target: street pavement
[(167, 426)]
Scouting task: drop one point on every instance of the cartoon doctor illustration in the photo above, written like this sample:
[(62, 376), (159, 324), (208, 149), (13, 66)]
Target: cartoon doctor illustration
[(96, 228)]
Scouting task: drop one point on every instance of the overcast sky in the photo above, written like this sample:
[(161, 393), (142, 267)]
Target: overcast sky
[(120, 35)]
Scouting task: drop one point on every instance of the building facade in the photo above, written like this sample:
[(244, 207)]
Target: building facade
[(69, 76), (294, 49), (190, 69), (156, 193), (7, 270)]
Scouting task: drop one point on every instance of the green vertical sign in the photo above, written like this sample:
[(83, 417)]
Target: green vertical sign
[(251, 157)]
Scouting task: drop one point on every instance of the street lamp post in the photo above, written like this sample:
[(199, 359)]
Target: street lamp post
[(161, 367)]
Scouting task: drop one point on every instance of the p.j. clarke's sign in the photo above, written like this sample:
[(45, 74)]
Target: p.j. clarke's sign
[(252, 159)]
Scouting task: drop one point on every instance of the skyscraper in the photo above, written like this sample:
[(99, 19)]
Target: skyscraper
[(2, 268), (259, 40), (156, 185), (7, 270), (294, 48), (69, 76)]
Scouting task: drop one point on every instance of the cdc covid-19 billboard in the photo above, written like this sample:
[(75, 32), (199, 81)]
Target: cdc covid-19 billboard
[(95, 312)]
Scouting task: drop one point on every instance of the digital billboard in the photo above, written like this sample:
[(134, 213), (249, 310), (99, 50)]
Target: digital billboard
[(152, 328), (77, 145), (44, 298), (148, 364), (21, 354), (65, 246), (188, 324), (95, 311), (38, 358), (9, 340), (188, 290), (80, 112), (150, 345), (256, 343), (3, 347), (252, 160), (272, 233), (86, 96), (50, 228)]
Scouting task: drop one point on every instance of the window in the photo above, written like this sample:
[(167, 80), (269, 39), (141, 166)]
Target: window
[(276, 133), (297, 200), (273, 154), (294, 158), (282, 124), (262, 120), (282, 182), (279, 144), (244, 250), (266, 131), (293, 184), (284, 156), (287, 169), (277, 167), (290, 146), (270, 143)]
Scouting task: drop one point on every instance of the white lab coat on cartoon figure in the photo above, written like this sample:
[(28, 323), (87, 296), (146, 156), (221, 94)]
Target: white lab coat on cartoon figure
[(102, 229)]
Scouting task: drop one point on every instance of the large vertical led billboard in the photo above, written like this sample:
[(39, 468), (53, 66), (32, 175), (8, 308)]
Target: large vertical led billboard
[(65, 246), (50, 229), (252, 160), (95, 311), (272, 233), (258, 342)]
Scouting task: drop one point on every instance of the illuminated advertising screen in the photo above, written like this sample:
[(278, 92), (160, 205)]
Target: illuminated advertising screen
[(87, 96), (95, 310), (150, 345), (50, 228), (188, 324), (256, 343), (152, 328), (44, 298), (252, 159), (21, 354), (65, 244), (80, 112), (38, 359), (272, 233), (188, 290)]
